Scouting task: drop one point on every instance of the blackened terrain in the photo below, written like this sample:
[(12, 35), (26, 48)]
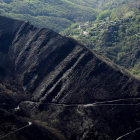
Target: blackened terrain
[(72, 91)]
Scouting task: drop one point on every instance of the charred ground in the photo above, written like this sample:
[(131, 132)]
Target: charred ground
[(53, 79)]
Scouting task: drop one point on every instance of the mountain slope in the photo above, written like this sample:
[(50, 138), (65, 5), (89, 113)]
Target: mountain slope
[(16, 128), (62, 84), (117, 37), (50, 64), (57, 15)]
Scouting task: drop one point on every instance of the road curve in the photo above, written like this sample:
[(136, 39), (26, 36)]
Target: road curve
[(29, 123), (119, 138)]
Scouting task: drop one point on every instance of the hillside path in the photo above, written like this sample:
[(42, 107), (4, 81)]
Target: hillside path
[(29, 123), (104, 103), (119, 138)]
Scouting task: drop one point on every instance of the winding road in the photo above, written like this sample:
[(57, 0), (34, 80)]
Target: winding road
[(119, 138), (29, 123), (104, 103), (110, 103), (95, 104)]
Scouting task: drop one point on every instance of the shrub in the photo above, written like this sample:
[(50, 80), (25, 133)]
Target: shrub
[(134, 72), (104, 14)]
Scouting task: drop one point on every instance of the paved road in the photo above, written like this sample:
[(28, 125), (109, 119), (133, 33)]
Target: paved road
[(94, 104), (119, 138), (104, 103), (128, 99), (17, 108), (29, 123)]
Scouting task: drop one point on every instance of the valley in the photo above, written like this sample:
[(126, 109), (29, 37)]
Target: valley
[(59, 15), (81, 84)]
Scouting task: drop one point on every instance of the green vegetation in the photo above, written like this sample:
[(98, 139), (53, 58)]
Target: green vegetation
[(58, 14), (104, 14), (53, 14), (115, 33)]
